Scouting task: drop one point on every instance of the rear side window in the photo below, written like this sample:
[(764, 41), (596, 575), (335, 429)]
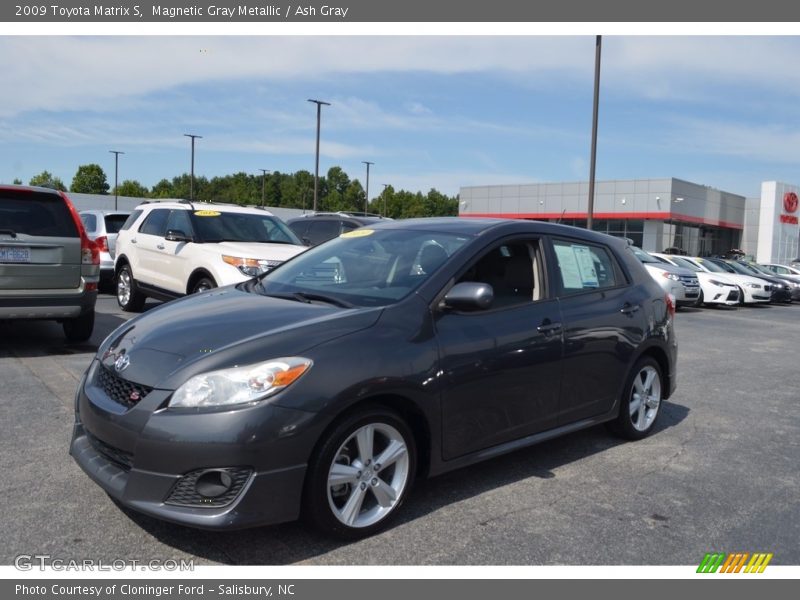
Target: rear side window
[(130, 220), (155, 223), (89, 222), (299, 228), (115, 222), (584, 267), (34, 213), (322, 231)]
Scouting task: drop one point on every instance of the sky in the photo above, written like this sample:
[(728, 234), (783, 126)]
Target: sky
[(429, 111)]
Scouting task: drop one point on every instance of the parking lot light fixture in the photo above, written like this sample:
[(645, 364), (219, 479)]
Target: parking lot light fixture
[(319, 104), (191, 180), (116, 154), (366, 191), (264, 184)]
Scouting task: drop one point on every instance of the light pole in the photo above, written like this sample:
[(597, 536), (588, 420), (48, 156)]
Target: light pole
[(264, 184), (366, 200), (116, 154), (319, 104), (590, 211), (191, 181)]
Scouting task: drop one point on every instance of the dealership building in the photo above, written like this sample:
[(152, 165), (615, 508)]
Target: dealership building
[(657, 213)]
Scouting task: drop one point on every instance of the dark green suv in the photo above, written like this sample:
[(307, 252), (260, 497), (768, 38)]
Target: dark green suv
[(49, 268)]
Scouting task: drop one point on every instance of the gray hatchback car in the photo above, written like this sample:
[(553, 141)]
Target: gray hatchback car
[(48, 266)]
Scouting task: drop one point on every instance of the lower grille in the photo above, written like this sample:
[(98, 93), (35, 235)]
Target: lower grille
[(184, 492), (122, 459), (121, 391), (733, 295)]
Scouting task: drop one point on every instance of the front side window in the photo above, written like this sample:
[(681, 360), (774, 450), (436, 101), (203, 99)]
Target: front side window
[(179, 221), (583, 267), (512, 269)]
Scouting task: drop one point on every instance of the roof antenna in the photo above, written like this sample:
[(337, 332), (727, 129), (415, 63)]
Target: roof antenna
[(561, 216)]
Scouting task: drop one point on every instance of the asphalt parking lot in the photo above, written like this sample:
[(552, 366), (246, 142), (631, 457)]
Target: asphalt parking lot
[(719, 474)]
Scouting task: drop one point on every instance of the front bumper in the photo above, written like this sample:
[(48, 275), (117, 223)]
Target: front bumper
[(144, 458)]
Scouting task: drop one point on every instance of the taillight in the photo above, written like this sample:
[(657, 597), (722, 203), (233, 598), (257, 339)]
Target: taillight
[(102, 243), (670, 305), (90, 255)]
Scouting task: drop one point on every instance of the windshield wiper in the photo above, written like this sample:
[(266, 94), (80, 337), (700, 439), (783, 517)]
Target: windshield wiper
[(309, 297), (10, 232), (306, 297)]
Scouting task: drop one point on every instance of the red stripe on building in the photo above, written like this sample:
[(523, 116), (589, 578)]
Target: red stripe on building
[(659, 216)]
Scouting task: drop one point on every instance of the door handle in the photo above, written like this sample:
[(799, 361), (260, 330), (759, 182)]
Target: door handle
[(133, 240), (549, 328), (629, 309), (160, 246)]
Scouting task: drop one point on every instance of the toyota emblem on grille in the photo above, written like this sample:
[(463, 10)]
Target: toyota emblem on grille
[(122, 362)]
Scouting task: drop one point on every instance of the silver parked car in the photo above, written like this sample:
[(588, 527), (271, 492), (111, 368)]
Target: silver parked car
[(682, 283), (102, 227), (48, 265)]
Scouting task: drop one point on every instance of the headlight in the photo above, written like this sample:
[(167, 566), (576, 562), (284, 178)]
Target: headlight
[(715, 282), (240, 385), (755, 286), (671, 276), (251, 266)]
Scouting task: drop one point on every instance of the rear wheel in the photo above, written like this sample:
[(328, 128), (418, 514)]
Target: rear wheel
[(80, 328), (361, 474), (129, 298), (641, 402)]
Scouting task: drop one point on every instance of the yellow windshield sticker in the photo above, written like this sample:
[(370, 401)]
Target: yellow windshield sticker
[(357, 233), (206, 213)]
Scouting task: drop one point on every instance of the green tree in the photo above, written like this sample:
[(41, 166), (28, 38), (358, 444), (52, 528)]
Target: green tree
[(132, 189), (89, 179), (163, 189), (17, 181), (46, 179)]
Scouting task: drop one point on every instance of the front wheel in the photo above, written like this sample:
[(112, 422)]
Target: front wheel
[(641, 402), (361, 474), (203, 285), (129, 298)]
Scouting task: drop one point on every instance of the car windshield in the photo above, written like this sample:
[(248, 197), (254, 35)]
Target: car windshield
[(218, 226), (365, 267), (712, 266), (740, 268), (644, 256), (686, 264)]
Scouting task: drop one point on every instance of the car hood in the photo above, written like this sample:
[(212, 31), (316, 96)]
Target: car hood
[(222, 328), (262, 250)]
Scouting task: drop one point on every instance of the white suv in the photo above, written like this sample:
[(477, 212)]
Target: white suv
[(169, 249)]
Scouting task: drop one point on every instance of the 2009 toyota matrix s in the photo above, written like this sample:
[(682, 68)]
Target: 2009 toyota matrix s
[(412, 347)]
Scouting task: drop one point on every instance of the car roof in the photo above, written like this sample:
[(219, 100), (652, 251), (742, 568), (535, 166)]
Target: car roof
[(29, 188), (365, 219), (195, 205), (104, 212), (475, 226)]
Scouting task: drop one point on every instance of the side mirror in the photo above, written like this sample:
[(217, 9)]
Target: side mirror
[(306, 241), (176, 235), (468, 296)]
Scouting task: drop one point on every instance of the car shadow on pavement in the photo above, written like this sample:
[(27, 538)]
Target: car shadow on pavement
[(298, 542)]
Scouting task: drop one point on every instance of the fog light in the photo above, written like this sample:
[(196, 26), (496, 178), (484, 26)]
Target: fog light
[(213, 483)]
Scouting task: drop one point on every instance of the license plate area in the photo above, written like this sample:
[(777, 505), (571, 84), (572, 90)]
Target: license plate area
[(15, 254)]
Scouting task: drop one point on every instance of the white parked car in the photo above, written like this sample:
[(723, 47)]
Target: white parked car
[(753, 289), (169, 249), (682, 283), (784, 271), (715, 288)]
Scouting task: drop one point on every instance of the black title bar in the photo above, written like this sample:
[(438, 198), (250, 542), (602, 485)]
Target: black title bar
[(339, 11)]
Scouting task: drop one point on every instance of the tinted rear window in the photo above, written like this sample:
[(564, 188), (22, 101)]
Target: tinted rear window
[(33, 213), (89, 222), (115, 222)]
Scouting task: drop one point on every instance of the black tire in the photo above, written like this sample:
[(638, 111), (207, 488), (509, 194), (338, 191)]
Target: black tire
[(700, 300), (635, 426), (203, 284), (80, 328), (325, 505), (134, 300)]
